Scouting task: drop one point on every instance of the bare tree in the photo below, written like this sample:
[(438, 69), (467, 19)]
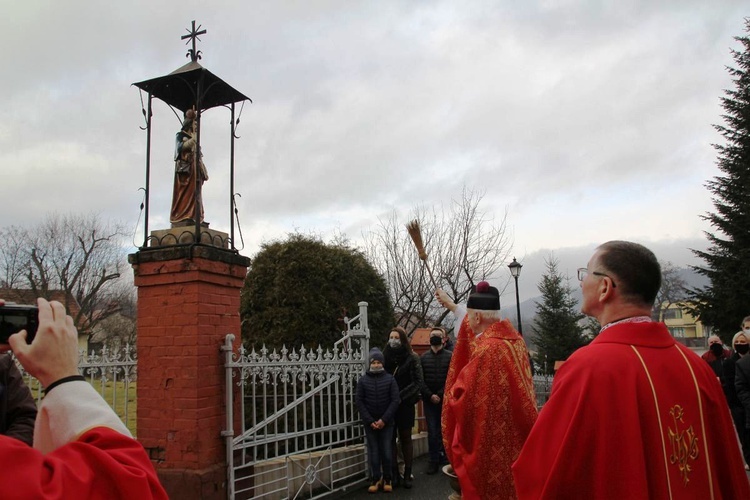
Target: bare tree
[(465, 245), (78, 255), (118, 329), (673, 290), (11, 255)]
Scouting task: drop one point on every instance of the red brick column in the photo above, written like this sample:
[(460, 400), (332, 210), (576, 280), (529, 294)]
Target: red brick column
[(188, 300)]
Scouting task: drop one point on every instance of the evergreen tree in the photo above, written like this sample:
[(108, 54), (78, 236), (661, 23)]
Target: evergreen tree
[(556, 328), (724, 302), (298, 291)]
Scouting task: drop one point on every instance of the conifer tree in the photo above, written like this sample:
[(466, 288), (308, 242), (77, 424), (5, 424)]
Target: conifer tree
[(556, 328), (726, 300)]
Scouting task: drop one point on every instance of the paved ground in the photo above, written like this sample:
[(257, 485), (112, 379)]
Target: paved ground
[(434, 487)]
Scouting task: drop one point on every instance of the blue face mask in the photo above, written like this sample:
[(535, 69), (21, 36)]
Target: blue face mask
[(394, 343)]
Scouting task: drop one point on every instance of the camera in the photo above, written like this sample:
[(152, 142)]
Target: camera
[(17, 317)]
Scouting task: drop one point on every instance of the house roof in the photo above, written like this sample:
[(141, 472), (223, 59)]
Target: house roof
[(26, 296)]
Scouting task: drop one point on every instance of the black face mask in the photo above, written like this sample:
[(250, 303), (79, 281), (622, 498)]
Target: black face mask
[(717, 349), (435, 340), (742, 348)]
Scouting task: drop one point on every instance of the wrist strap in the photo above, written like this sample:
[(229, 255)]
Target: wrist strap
[(54, 384)]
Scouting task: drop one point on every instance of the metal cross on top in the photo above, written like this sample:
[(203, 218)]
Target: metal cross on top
[(193, 34)]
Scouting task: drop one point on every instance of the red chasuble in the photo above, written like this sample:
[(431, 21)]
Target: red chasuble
[(101, 464), (634, 415), (488, 410)]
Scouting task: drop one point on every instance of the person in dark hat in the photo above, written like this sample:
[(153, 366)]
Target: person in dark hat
[(489, 405), (377, 400)]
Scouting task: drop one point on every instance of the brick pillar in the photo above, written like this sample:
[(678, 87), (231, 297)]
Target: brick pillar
[(188, 300)]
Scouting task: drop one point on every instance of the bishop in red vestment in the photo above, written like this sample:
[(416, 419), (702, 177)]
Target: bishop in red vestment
[(635, 415), (489, 404)]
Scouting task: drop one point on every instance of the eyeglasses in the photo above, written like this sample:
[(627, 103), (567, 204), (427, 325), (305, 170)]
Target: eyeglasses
[(582, 272)]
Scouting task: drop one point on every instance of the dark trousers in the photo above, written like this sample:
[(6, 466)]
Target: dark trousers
[(738, 415), (379, 451), (432, 413)]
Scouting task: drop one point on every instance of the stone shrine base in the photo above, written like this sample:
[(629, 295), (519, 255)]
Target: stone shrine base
[(185, 236)]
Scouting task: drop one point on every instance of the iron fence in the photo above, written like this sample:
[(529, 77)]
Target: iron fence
[(542, 388), (300, 435), (112, 372)]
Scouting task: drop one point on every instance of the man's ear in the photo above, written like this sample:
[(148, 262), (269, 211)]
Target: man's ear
[(606, 289)]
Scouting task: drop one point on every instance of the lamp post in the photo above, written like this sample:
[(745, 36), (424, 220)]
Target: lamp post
[(515, 271)]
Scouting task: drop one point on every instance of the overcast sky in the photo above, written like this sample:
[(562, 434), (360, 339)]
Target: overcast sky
[(586, 122)]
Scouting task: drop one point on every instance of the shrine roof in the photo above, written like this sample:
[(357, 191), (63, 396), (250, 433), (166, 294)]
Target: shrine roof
[(179, 88)]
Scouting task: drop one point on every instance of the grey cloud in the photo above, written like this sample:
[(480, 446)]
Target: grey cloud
[(362, 106)]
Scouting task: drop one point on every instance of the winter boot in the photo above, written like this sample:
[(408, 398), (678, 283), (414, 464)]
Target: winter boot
[(407, 478), (375, 486), (397, 479), (387, 487)]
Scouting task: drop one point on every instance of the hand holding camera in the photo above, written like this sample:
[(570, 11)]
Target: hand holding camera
[(53, 354), (15, 317)]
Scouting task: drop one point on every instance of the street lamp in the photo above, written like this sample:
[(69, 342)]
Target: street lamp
[(515, 271)]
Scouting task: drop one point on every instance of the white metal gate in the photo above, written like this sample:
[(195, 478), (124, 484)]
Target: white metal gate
[(301, 435)]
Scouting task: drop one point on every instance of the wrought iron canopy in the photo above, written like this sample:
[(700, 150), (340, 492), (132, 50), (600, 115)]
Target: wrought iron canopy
[(180, 88)]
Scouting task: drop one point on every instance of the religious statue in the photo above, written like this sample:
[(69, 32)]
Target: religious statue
[(187, 165)]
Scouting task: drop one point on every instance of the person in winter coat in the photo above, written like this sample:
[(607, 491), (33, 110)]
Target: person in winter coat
[(435, 364), (728, 374), (404, 365), (377, 399), (716, 351), (17, 405)]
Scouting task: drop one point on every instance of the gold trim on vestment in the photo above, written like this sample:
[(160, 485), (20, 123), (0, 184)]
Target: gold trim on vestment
[(658, 416), (525, 377), (703, 423)]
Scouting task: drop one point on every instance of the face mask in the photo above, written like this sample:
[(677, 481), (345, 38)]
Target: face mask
[(717, 349), (742, 348), (376, 370), (394, 343), (746, 330), (435, 340)]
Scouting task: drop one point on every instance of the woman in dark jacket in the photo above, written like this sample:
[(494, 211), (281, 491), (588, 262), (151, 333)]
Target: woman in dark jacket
[(404, 365), (728, 375)]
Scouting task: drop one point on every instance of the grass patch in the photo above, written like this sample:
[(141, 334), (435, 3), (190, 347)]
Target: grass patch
[(121, 399), (119, 396)]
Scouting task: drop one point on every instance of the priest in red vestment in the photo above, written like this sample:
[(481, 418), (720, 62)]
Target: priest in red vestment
[(634, 415), (82, 450), (489, 404)]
